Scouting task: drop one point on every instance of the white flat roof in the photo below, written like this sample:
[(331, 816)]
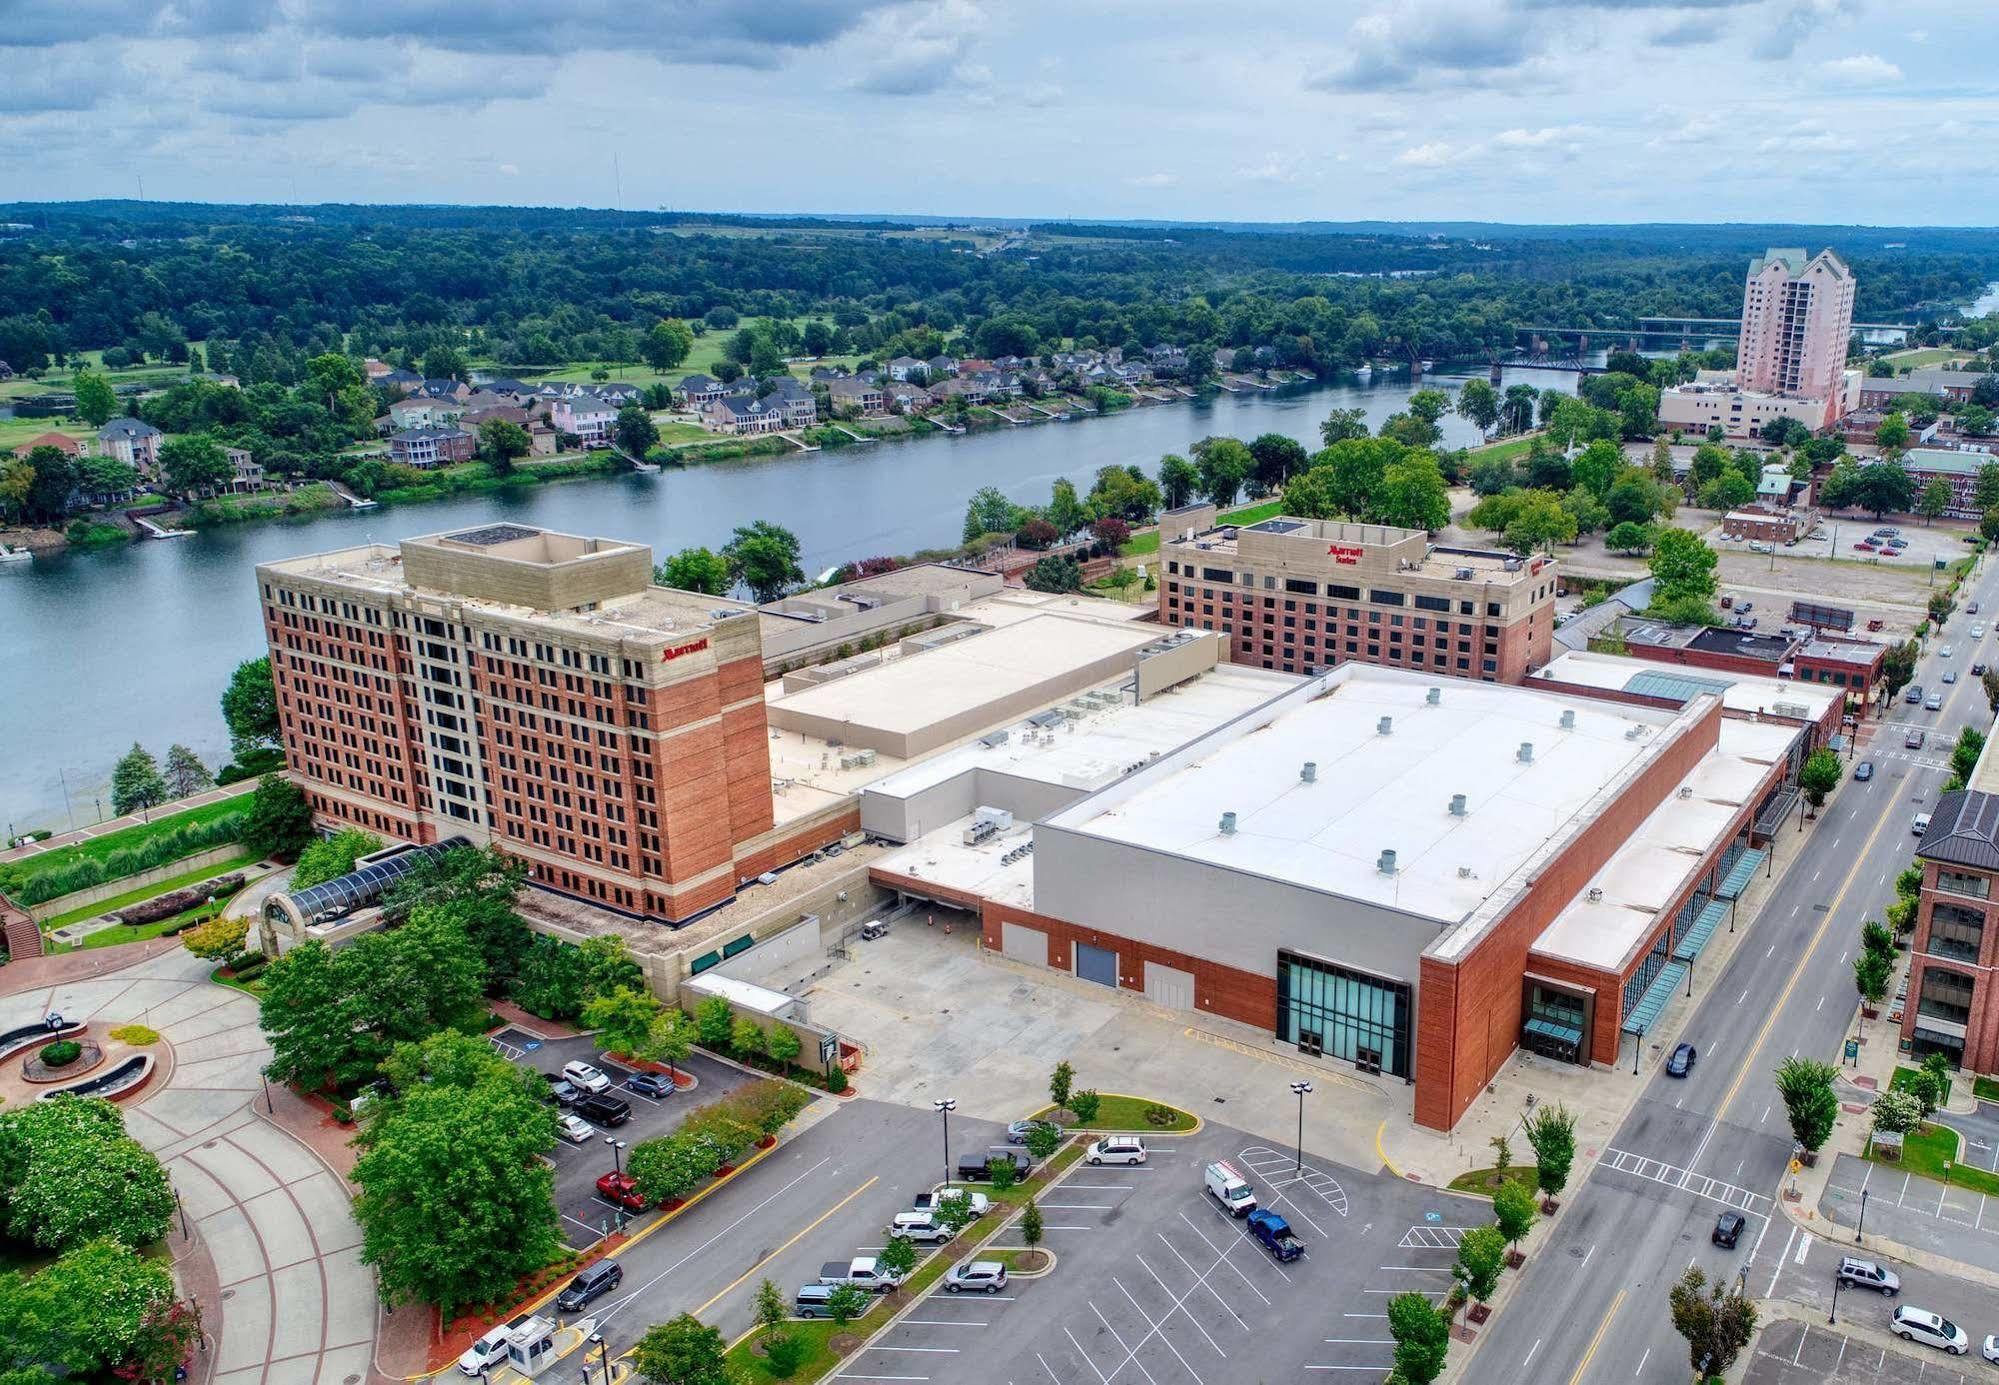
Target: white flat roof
[(910, 693), (1740, 692), (1652, 867), (942, 858), (1376, 792)]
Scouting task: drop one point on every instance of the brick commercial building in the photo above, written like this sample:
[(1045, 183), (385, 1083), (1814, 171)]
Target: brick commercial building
[(1953, 1001), (536, 690), (1299, 595), (1416, 876)]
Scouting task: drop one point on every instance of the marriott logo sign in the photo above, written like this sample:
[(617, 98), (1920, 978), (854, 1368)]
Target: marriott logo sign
[(1347, 555)]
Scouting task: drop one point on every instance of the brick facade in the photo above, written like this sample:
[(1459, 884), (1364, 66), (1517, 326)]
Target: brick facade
[(1981, 1036)]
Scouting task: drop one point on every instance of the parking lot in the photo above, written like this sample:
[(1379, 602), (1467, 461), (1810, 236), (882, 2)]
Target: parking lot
[(1155, 1282), (1793, 1353), (586, 1214), (1919, 1212)]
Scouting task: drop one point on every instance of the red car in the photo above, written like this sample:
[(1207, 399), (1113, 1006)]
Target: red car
[(622, 1189), (1865, 547)]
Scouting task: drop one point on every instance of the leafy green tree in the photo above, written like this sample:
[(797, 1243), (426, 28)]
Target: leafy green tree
[(250, 707), (1628, 538), (96, 1309), (1031, 1225), (1065, 508), (623, 1019), (669, 1040), (1597, 466), (1896, 1111), (1043, 1140), (1718, 1325), (1492, 476), (70, 1174), (898, 1257), (1892, 434), (309, 1021), (1539, 522), (1222, 464), (1343, 425), (764, 558), (1726, 492), (1478, 404), (1413, 494), (456, 1202), (990, 512), (745, 1036), (635, 431), (1582, 506), (1481, 1256), (1552, 1133), (96, 401), (329, 857), (1818, 777), (193, 463), (1883, 488), (682, 1351), (845, 1304), (667, 343), (1422, 1337), (1871, 972), (1001, 1173), (1683, 566), (454, 1059), (1177, 480), (1518, 407), (1934, 499), (713, 1020), (1805, 1084), (136, 781), (1061, 1082), (1513, 1207), (781, 1044), (475, 889), (105, 476), (1125, 492), (280, 820), (695, 570), (1054, 574), (669, 1168), (1084, 1105), (184, 774), (1276, 457), (502, 442), (1636, 498)]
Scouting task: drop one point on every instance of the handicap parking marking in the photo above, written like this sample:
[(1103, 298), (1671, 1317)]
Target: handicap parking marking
[(1280, 1170), (1432, 1238)]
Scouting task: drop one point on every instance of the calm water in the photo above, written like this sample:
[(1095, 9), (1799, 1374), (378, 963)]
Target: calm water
[(100, 649)]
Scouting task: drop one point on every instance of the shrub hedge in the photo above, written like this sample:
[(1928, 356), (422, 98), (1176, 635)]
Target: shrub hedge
[(38, 887)]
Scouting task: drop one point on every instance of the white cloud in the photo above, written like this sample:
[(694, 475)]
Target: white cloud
[(1153, 180), (1564, 136), (1436, 154), (1869, 68)]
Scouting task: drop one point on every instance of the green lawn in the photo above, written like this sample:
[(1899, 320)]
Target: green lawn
[(1256, 513), (1485, 1182), (1126, 1114), (116, 937), (1917, 357), (1507, 449), (15, 431), (1926, 1149), (819, 1361), (105, 906), (702, 360), (671, 433), (59, 381), (1985, 1088), (97, 848)]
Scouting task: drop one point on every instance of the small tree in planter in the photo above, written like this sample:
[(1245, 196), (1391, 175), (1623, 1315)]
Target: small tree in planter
[(1042, 1141), (781, 1045), (669, 1040), (1084, 1105), (1938, 1068), (1002, 1173), (898, 1257), (954, 1213), (1030, 1233), (1502, 1159), (1513, 1206), (1806, 1087), (845, 1304), (1422, 1337), (746, 1037), (1481, 1255), (668, 1169), (1060, 1081), (1552, 1133), (682, 1352), (783, 1353), (712, 1021)]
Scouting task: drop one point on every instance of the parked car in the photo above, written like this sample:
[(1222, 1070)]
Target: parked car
[(1864, 546), (1914, 696), (604, 1109), (1273, 1233), (1978, 632), (810, 1301), (862, 1272), (1117, 1149), (1864, 771), (584, 1077), (1971, 607), (1682, 1060), (1017, 1133), (589, 1285), (561, 1089), (575, 1129), (622, 1189), (1978, 669), (1990, 1351), (972, 1166), (486, 1353), (920, 1227), (1230, 1189), (1727, 1229), (650, 1084), (1931, 1329), (975, 1276), (1856, 1273), (1897, 545), (929, 1202), (1755, 547)]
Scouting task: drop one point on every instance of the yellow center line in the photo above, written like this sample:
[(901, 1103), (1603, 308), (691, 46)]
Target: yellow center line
[(1597, 1340), (801, 1233)]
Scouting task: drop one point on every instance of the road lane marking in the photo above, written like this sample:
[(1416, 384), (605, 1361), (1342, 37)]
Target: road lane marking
[(1642, 1360), (1530, 1353), (786, 1246), (1597, 1340)]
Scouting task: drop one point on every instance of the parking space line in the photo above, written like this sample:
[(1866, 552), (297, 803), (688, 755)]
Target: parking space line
[(1077, 1206), (1106, 1380), (944, 1322), (1243, 1235), (1190, 1317), (1118, 1337), (1046, 1367), (938, 1351)]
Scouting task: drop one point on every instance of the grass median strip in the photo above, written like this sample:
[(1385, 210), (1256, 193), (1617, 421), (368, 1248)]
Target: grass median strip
[(1926, 1149)]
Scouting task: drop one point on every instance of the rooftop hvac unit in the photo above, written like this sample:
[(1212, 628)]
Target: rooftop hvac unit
[(1457, 805), (1463, 574), (1000, 818), (1466, 873), (1525, 755), (1228, 824), (1595, 894), (1434, 696), (994, 739), (1385, 863), (1632, 733), (1309, 772), (1385, 726), (1686, 791), (1568, 720)]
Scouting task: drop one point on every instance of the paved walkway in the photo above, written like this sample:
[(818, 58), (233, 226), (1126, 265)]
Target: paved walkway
[(99, 829), (296, 1307)]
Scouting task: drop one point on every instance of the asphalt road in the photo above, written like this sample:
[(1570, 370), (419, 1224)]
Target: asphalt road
[(1719, 1138)]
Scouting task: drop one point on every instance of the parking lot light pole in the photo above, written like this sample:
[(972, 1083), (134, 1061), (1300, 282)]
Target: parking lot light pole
[(945, 1106), (1832, 1315), (1300, 1089), (1863, 1217), (617, 1153)]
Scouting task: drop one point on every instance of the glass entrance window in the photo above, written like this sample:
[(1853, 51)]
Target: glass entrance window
[(1328, 1009)]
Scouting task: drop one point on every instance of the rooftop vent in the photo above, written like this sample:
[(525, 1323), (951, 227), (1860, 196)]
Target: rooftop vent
[(1463, 574), (1385, 726), (1385, 863), (1686, 791), (1525, 755), (1633, 732), (1568, 720), (1595, 895), (1466, 873), (1228, 824), (1434, 696), (1310, 772), (1457, 805)]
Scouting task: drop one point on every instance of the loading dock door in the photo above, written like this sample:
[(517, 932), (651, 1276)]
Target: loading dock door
[(1096, 964), (1024, 944), (1169, 986)]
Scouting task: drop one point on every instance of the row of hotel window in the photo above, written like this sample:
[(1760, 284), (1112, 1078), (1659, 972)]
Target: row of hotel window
[(1299, 586)]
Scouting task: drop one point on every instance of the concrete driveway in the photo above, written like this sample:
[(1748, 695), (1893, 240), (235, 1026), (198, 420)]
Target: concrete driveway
[(296, 1305)]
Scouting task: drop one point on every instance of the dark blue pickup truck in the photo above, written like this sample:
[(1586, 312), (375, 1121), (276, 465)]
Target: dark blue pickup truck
[(1274, 1233)]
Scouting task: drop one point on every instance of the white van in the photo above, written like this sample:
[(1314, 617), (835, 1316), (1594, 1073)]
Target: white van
[(1921, 824), (1230, 1189)]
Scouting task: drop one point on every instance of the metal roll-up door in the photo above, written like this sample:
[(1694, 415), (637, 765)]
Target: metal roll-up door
[(1096, 964), (1024, 944), (1169, 986)]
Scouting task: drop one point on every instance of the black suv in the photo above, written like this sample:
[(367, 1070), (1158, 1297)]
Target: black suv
[(591, 1284), (601, 1108)]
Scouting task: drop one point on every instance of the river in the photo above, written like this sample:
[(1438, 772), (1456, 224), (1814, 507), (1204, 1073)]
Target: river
[(102, 648)]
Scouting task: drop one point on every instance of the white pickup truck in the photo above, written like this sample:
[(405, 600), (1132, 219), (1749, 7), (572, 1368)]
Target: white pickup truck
[(861, 1272)]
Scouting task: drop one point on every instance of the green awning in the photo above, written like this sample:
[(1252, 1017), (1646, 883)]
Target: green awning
[(1696, 937), (1645, 1013), (1740, 874)]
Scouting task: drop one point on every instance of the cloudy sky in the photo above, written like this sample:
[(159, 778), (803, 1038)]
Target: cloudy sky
[(1520, 110)]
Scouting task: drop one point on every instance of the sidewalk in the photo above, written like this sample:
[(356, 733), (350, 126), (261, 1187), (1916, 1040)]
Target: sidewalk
[(109, 825)]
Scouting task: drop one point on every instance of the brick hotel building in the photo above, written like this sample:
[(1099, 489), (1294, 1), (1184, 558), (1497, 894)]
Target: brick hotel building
[(534, 689), (1299, 595)]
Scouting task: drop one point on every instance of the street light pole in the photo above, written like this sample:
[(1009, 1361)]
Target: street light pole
[(1301, 1090), (1832, 1314), (1863, 1217), (945, 1106), (617, 1153)]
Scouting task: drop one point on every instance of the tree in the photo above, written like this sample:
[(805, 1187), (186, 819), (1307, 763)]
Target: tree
[(1938, 1069), (1898, 666), (1989, 681), (100, 1308), (1124, 491), (1552, 1133), (1001, 1173), (1892, 434), (1683, 566), (1066, 510), (1540, 521), (1726, 492), (1517, 409), (70, 1174), (1061, 1083), (1883, 487), (1177, 480), (764, 557), (1716, 1323), (96, 401), (669, 1168), (1275, 458), (1589, 513), (105, 477), (1030, 1226), (712, 1021), (1083, 1105), (1988, 525), (1513, 1207), (1871, 971), (667, 343), (1413, 494), (1629, 538), (989, 512), (781, 1044), (1935, 498), (682, 1352), (1222, 464), (1481, 1256), (1818, 777), (844, 1304), (1896, 1111), (694, 570), (1478, 403), (669, 1040), (1037, 533), (1805, 1084), (280, 820), (474, 890), (185, 774), (635, 431), (1597, 467), (1492, 476), (456, 1202), (193, 463), (501, 441), (1343, 425), (623, 1019), (1054, 575), (898, 1257), (1422, 1337), (250, 707), (745, 1036), (1635, 498), (136, 782)]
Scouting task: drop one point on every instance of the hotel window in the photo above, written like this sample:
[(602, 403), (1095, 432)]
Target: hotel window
[(1324, 1008), (1961, 882), (1384, 598), (1956, 932), (1946, 995)]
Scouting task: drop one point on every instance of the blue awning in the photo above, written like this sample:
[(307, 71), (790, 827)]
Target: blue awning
[(1549, 1030), (1741, 873), (1645, 1013), (1695, 938)]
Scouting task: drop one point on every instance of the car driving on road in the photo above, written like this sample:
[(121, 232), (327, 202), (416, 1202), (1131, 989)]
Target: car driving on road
[(1864, 771), (1682, 1061)]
